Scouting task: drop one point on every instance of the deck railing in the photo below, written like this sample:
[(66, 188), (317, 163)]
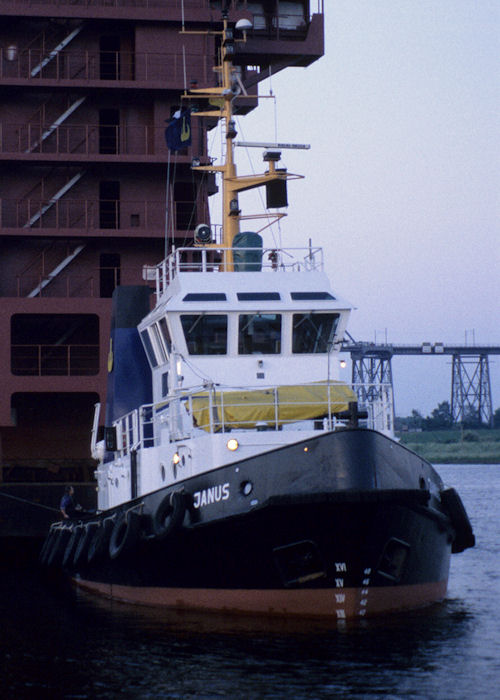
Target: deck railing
[(94, 282), (95, 214), (146, 4), (141, 428), (192, 259), (316, 6), (82, 139), (108, 66)]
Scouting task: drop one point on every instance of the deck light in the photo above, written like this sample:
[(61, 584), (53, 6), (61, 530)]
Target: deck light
[(232, 444), (176, 458), (342, 363), (243, 25)]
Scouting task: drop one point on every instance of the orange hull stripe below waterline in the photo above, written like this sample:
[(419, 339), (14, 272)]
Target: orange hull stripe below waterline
[(335, 603)]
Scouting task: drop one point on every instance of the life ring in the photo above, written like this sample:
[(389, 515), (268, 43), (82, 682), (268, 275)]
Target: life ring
[(72, 542), (80, 555), (464, 536), (99, 542), (60, 542), (125, 533), (169, 514)]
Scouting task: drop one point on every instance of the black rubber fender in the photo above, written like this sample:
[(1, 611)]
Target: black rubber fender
[(80, 555), (464, 536), (99, 543), (169, 515), (71, 545), (58, 547), (49, 540), (125, 534)]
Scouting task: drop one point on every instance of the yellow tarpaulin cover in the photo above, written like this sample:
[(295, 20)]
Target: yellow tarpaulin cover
[(283, 404)]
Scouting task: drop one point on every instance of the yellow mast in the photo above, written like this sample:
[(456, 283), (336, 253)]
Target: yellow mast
[(227, 92)]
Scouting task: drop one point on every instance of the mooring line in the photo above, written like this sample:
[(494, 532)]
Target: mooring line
[(30, 503)]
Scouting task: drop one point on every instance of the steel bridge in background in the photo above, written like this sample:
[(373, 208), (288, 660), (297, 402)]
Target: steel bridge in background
[(470, 376)]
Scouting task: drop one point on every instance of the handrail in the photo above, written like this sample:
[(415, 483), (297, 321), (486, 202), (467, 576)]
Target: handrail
[(94, 214), (135, 4), (73, 285), (101, 66), (82, 139), (145, 4), (140, 428), (209, 259), (85, 284)]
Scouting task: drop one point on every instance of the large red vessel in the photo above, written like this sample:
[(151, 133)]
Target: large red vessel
[(87, 90)]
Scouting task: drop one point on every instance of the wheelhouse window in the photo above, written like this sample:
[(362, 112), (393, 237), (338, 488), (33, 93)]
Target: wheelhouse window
[(165, 334), (205, 334), (148, 346), (160, 351), (259, 333), (313, 332)]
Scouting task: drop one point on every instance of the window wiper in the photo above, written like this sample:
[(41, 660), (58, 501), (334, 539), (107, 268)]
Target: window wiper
[(198, 319)]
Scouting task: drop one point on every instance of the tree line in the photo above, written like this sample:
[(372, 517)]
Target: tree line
[(441, 419)]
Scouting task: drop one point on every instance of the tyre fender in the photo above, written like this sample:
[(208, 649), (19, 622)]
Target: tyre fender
[(60, 542), (80, 555), (464, 536), (72, 543), (125, 533), (169, 515), (45, 550), (99, 542)]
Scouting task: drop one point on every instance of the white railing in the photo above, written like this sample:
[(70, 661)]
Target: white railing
[(378, 401), (135, 430), (215, 410), (192, 259)]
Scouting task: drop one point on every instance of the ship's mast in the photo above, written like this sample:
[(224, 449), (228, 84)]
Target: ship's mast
[(226, 93)]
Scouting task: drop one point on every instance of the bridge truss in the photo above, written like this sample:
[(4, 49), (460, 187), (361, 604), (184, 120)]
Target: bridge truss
[(471, 398)]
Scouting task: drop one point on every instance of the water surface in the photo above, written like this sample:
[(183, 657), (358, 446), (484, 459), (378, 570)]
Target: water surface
[(59, 643)]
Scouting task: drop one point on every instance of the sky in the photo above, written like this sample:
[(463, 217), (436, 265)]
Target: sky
[(402, 177)]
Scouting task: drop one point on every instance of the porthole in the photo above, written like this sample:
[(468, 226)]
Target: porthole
[(163, 472), (246, 488)]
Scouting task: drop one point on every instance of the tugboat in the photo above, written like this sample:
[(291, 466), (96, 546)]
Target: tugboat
[(237, 473)]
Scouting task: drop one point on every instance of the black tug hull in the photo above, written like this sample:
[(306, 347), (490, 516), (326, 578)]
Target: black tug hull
[(343, 525)]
